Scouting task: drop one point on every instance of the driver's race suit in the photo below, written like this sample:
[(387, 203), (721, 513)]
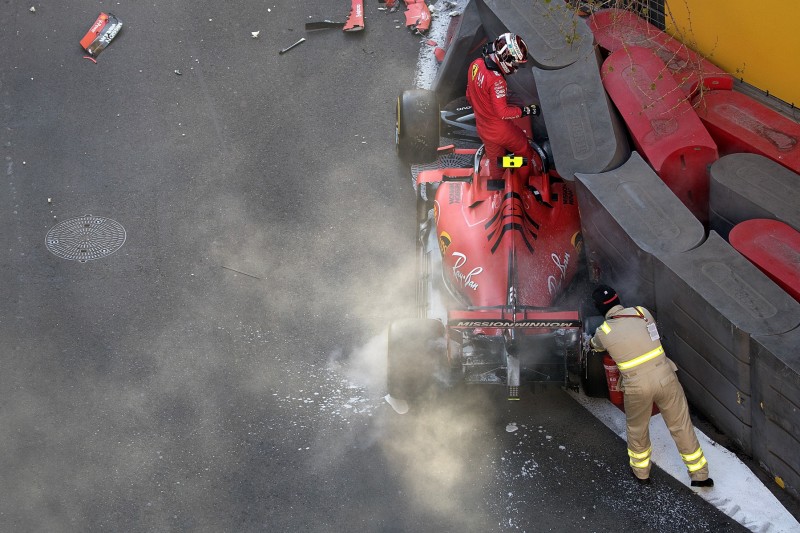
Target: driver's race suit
[(631, 338), (486, 92)]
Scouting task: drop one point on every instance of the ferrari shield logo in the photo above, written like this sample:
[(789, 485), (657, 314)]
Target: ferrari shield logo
[(474, 71)]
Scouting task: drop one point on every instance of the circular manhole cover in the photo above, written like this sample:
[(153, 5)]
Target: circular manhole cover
[(85, 238)]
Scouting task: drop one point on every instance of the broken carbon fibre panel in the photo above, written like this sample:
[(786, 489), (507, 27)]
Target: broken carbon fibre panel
[(104, 29), (323, 24), (418, 16)]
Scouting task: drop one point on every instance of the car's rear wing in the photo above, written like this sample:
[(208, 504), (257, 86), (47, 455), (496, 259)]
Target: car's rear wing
[(502, 318)]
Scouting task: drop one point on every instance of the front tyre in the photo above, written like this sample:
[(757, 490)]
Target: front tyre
[(416, 351), (417, 126)]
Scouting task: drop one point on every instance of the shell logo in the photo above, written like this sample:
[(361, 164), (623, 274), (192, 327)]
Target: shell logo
[(444, 242)]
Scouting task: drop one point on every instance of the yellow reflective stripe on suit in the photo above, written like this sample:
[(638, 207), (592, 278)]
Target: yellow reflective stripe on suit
[(694, 461), (640, 459), (605, 327), (697, 466), (652, 354), (688, 458)]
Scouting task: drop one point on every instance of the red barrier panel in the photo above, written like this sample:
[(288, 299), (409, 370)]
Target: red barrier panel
[(772, 246), (739, 123), (616, 29), (665, 129)]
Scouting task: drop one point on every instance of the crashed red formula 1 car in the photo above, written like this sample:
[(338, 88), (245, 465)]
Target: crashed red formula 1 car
[(497, 262), (501, 275), (502, 283)]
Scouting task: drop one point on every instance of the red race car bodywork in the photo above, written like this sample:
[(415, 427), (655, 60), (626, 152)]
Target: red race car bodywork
[(497, 258), (495, 237)]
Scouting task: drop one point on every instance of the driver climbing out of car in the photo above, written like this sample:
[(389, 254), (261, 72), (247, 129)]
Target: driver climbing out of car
[(487, 93), (630, 336)]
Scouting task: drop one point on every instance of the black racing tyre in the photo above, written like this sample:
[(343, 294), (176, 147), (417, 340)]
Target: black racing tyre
[(593, 373), (593, 376), (417, 347), (417, 126), (590, 321)]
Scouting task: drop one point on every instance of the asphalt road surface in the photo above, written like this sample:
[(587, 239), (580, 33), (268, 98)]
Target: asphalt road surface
[(222, 370)]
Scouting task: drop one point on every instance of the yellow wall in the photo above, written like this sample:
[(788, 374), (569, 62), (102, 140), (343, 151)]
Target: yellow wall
[(758, 42)]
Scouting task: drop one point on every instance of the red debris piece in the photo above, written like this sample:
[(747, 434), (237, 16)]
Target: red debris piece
[(104, 29), (355, 22), (418, 16)]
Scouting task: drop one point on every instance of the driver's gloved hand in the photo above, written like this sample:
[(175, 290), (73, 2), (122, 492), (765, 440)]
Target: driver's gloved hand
[(532, 109)]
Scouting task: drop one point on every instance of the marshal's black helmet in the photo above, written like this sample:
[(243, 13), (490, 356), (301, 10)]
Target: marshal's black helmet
[(605, 298)]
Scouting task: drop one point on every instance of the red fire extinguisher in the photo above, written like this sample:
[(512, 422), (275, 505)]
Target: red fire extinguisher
[(612, 379), (616, 396)]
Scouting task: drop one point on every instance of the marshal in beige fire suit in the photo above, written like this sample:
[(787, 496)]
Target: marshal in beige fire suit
[(647, 376)]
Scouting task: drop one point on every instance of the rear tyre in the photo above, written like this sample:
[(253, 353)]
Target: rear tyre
[(593, 377), (417, 126), (417, 350), (593, 373)]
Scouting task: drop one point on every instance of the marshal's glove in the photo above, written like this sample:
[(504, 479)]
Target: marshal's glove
[(587, 343), (532, 109)]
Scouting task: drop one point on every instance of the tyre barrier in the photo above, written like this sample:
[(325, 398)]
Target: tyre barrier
[(548, 46), (747, 186), (618, 29), (710, 302), (776, 406), (739, 123), (628, 219), (586, 134), (772, 246), (665, 129), (732, 331)]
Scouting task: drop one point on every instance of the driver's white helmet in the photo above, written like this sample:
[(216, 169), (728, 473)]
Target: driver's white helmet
[(510, 52)]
